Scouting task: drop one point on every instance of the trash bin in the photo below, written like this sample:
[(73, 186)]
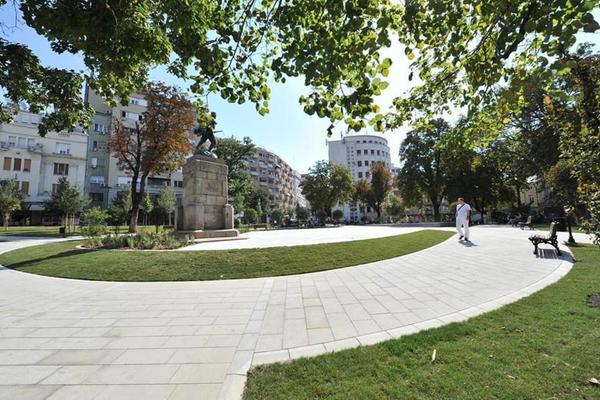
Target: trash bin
[(62, 231), (561, 224)]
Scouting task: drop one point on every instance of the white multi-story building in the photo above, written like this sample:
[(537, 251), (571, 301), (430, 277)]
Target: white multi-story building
[(37, 163), (358, 153)]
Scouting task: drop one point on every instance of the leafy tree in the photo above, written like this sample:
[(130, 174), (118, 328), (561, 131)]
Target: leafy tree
[(230, 48), (257, 198), (574, 111), (563, 184), (66, 201), (167, 201), (393, 206), (480, 181), (277, 215), (159, 143), (424, 167), (326, 185), (11, 199), (234, 152), (147, 206), (94, 221), (250, 215), (302, 213), (461, 50), (116, 216), (380, 186), (338, 215)]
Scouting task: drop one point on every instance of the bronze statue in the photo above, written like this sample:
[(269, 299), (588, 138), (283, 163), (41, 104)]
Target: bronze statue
[(207, 134)]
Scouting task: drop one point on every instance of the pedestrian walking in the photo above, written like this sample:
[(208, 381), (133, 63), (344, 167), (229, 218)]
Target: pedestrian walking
[(463, 213)]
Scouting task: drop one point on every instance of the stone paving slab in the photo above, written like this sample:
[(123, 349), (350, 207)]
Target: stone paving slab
[(67, 339)]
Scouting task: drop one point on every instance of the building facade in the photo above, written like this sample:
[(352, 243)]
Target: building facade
[(268, 170), (358, 153), (37, 163), (104, 179)]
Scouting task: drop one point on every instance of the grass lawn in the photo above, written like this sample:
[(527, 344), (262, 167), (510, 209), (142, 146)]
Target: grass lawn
[(546, 227), (52, 231), (41, 231), (543, 347), (64, 260)]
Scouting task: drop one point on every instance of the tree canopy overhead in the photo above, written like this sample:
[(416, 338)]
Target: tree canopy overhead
[(461, 50), (227, 47)]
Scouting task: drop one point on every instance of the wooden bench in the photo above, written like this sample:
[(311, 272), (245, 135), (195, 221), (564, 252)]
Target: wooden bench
[(528, 224), (259, 226), (551, 239)]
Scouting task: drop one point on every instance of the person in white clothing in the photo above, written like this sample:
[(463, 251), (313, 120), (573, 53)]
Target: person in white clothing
[(463, 213)]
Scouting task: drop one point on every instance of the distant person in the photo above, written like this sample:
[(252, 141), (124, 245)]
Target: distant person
[(463, 213)]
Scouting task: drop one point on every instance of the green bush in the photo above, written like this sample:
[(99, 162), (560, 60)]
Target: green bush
[(250, 215), (92, 242), (93, 222), (162, 240), (338, 215)]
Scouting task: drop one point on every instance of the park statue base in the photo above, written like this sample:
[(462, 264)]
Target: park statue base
[(204, 212)]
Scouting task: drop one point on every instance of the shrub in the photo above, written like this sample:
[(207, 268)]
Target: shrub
[(250, 215), (161, 240), (338, 215), (92, 242), (94, 222)]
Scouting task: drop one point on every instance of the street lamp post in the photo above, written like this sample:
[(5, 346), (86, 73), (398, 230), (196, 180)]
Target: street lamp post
[(571, 239)]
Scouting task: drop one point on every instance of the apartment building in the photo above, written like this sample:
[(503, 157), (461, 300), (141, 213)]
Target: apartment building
[(358, 153), (37, 163), (104, 178), (278, 177)]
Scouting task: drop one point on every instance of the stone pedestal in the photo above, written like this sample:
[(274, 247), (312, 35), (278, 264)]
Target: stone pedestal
[(204, 206)]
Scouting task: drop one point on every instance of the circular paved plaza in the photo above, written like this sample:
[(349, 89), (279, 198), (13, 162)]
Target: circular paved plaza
[(69, 339)]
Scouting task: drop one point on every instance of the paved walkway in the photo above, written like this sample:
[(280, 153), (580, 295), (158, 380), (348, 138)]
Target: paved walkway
[(68, 339), (297, 237)]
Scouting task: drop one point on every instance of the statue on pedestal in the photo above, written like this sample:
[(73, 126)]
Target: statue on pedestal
[(207, 134)]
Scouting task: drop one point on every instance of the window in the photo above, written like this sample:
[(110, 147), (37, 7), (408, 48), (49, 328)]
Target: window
[(358, 152), (54, 187), (372, 152), (63, 148), (97, 179), (138, 101), (7, 163), (61, 169), (97, 197), (367, 174), (360, 163), (95, 145), (27, 165), (360, 174), (94, 162), (131, 115), (30, 143), (366, 163), (100, 128), (178, 184), (377, 152), (22, 142), (12, 141), (123, 180), (25, 187), (17, 164)]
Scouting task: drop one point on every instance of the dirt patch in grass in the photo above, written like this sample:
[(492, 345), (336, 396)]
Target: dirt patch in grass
[(594, 299)]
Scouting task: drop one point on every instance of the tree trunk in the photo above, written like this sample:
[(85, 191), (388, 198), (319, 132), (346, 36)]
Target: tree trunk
[(6, 221), (436, 210), (136, 201)]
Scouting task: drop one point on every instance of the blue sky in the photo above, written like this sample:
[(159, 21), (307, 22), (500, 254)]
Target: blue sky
[(298, 138)]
